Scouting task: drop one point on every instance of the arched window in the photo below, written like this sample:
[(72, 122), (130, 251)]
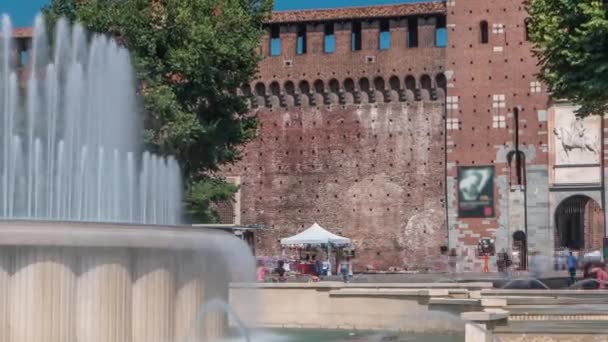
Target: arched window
[(425, 82), (349, 85), (394, 83), (483, 32), (410, 83), (334, 86), (319, 86), (260, 89), (289, 88), (304, 87), (441, 81), (379, 83), (364, 84), (275, 89), (527, 29)]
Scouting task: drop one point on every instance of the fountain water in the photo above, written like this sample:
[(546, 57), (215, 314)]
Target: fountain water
[(69, 140), (90, 249)]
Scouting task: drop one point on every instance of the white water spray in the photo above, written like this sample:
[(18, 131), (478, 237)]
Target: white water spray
[(69, 139)]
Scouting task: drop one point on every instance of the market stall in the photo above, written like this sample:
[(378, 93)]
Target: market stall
[(315, 236)]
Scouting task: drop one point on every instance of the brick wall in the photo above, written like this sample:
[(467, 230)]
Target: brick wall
[(353, 140)]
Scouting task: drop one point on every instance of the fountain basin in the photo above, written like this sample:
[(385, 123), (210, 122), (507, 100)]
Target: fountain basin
[(78, 281)]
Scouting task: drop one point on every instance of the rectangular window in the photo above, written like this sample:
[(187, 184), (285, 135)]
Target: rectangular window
[(356, 36), (412, 32), (384, 39), (441, 33), (301, 43), (329, 43), (275, 41)]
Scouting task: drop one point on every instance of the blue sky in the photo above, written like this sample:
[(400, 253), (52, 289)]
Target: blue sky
[(22, 12)]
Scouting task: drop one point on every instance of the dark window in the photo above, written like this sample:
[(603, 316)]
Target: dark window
[(384, 39), (412, 32), (301, 44), (330, 39), (356, 36), (527, 29), (483, 32), (275, 40)]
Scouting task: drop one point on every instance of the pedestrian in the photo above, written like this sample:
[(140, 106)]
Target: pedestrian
[(535, 265), (601, 276), (452, 260), (503, 263), (280, 272), (344, 269), (571, 262), (261, 272)]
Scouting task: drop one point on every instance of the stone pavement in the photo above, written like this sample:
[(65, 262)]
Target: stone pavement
[(553, 279)]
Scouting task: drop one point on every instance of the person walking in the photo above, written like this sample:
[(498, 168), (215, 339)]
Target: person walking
[(344, 269), (571, 263)]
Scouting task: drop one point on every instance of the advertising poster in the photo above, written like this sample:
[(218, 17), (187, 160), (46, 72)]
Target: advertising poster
[(476, 191)]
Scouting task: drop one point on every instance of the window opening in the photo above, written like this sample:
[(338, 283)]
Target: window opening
[(330, 39), (441, 33), (412, 32), (301, 43), (384, 39), (275, 40), (356, 36), (483, 32)]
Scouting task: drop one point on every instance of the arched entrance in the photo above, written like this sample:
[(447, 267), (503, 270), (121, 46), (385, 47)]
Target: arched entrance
[(579, 224)]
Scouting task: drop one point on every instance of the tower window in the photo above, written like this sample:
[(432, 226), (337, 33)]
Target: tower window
[(483, 32), (301, 43), (412, 32), (275, 40), (329, 39), (384, 39), (441, 33), (356, 36)]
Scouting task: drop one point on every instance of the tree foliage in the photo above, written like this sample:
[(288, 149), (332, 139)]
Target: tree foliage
[(571, 40), (189, 57)]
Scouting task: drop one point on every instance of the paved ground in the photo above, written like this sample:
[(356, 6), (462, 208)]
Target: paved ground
[(553, 279)]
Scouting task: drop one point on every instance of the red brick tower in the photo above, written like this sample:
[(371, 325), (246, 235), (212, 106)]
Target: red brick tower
[(496, 117)]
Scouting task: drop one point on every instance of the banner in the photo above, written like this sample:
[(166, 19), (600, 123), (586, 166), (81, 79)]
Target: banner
[(476, 191)]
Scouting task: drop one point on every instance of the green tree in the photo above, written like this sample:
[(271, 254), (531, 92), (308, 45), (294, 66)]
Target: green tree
[(189, 57), (570, 38)]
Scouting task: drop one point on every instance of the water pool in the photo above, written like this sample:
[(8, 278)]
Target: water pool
[(309, 335)]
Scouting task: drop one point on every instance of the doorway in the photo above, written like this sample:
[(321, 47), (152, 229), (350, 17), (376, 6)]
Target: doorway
[(579, 224)]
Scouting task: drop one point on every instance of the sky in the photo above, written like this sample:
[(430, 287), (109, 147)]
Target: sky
[(22, 12)]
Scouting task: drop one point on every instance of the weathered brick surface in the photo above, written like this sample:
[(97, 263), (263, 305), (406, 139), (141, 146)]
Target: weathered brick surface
[(370, 172), (344, 140)]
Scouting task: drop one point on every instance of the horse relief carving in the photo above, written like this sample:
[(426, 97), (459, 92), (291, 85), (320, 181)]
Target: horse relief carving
[(576, 137)]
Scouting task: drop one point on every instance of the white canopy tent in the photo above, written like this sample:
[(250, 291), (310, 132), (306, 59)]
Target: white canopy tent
[(315, 235)]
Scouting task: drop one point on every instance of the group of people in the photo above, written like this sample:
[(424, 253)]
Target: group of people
[(279, 273)]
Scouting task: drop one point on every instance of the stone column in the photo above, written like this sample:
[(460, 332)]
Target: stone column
[(216, 290), (189, 297), (153, 296), (42, 295), (104, 295), (5, 277)]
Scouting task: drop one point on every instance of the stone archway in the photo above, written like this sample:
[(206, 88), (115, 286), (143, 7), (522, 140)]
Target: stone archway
[(579, 224)]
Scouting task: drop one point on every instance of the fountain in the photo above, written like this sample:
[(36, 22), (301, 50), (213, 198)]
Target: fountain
[(90, 246)]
